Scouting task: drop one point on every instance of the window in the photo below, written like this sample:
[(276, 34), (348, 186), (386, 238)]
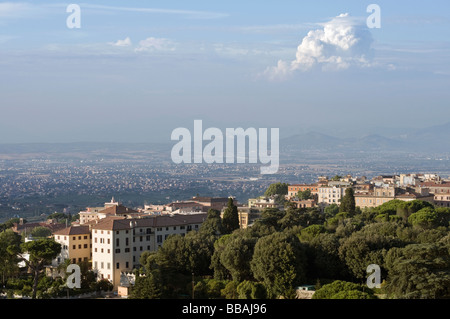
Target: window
[(117, 265), (117, 241), (159, 239)]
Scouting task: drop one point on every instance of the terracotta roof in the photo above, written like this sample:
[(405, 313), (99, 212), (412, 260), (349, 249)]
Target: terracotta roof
[(52, 226), (152, 221), (433, 184), (73, 230), (118, 210)]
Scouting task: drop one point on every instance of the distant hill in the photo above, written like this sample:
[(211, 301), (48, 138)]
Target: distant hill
[(430, 139), (435, 139)]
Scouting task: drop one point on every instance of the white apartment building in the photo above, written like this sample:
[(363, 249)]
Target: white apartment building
[(328, 195), (118, 242)]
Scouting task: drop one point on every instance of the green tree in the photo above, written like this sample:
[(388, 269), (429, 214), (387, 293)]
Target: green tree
[(339, 289), (419, 271), (365, 247), (279, 262), (41, 232), (230, 219), (213, 223), (278, 192), (147, 286), (323, 257), (348, 202), (277, 189), (41, 252), (331, 210), (230, 290), (424, 218), (9, 248), (303, 195), (405, 209), (251, 290), (234, 255), (185, 255)]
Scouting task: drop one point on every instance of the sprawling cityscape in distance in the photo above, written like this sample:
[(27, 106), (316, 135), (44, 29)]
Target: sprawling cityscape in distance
[(224, 158), (40, 179)]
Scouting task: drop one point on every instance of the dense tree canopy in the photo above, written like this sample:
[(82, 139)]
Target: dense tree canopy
[(284, 248)]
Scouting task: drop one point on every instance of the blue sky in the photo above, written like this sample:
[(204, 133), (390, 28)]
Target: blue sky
[(136, 70)]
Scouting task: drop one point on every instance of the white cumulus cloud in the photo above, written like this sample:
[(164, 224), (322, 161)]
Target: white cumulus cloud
[(152, 44), (123, 43), (340, 43)]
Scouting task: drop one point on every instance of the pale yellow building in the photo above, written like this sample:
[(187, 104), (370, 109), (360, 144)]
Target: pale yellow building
[(75, 244), (381, 195)]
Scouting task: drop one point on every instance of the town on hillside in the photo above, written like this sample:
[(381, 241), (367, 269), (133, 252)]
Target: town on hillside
[(112, 238)]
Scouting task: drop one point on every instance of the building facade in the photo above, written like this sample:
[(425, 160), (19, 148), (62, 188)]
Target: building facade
[(75, 244), (295, 188), (328, 195), (117, 243)]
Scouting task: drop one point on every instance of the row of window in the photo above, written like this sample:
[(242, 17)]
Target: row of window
[(108, 265), (75, 246), (75, 237), (117, 250), (74, 260)]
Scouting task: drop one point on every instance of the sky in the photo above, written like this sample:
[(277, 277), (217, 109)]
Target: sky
[(136, 70)]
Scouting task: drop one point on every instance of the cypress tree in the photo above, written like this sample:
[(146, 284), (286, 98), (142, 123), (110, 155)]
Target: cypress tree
[(348, 202), (230, 219)]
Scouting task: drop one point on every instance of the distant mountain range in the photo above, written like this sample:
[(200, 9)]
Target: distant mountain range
[(434, 139)]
